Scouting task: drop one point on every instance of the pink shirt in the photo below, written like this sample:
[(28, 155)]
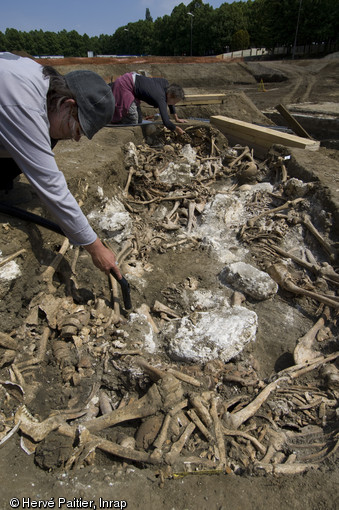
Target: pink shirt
[(123, 92)]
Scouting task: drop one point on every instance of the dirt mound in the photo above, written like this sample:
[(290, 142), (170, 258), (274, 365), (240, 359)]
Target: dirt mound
[(286, 81), (194, 75), (268, 75)]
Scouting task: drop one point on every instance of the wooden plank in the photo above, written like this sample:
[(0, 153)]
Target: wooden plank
[(199, 102), (260, 137), (202, 99), (292, 122), (198, 99)]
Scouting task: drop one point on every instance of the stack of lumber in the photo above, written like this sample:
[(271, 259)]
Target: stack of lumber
[(258, 137)]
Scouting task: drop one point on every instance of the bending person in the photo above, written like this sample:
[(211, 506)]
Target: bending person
[(39, 106), (131, 88)]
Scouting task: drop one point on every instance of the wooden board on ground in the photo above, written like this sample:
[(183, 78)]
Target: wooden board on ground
[(257, 137), (198, 99), (202, 99)]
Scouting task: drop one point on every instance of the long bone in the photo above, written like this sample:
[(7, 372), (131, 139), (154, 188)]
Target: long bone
[(184, 377), (218, 431), (144, 309), (5, 261), (233, 421), (304, 350), (174, 209), (160, 308), (246, 152), (129, 179), (331, 252), (113, 448), (162, 395), (174, 453), (299, 370), (286, 469), (162, 436), (286, 205), (146, 406), (326, 271), (280, 163), (245, 435), (41, 351), (280, 274), (149, 404), (47, 275), (197, 403), (191, 217), (195, 418), (7, 342)]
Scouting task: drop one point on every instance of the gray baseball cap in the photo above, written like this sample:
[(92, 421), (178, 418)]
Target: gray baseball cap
[(94, 99)]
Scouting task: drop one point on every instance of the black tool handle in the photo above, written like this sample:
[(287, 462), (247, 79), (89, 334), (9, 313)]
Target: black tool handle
[(16, 212), (125, 290)]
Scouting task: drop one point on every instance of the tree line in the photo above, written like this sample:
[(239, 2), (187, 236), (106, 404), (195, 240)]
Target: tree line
[(196, 29)]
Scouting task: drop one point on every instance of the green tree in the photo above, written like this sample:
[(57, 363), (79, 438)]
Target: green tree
[(264, 23), (161, 36), (63, 41), (143, 37), (120, 41), (35, 45), (148, 16), (240, 40), (178, 36), (274, 22), (319, 21), (202, 31), (14, 40), (229, 19), (105, 45), (3, 42), (258, 29), (52, 43)]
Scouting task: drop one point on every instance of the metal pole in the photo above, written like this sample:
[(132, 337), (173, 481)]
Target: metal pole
[(191, 33), (192, 16), (296, 31)]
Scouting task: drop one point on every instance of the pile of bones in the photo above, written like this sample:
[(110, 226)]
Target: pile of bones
[(149, 408)]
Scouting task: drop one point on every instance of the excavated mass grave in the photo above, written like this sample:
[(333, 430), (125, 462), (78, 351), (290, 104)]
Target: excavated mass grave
[(181, 371), (184, 285)]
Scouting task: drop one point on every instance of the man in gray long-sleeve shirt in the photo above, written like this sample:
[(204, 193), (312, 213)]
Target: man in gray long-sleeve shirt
[(39, 105)]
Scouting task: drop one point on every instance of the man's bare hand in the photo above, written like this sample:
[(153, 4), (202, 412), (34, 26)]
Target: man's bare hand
[(179, 131), (180, 121), (103, 258)]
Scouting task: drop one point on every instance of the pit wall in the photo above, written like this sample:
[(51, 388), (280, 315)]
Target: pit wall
[(322, 128), (312, 166)]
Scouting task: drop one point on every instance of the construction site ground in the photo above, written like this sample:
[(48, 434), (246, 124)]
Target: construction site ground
[(250, 88)]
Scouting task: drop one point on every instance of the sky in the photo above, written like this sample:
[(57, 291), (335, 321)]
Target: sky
[(93, 17)]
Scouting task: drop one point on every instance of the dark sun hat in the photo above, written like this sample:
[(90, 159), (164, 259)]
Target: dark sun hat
[(94, 99)]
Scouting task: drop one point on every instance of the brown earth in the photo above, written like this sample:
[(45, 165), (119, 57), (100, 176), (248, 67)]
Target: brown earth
[(281, 321)]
